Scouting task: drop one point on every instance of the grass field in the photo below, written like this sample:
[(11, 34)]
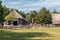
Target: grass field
[(40, 33)]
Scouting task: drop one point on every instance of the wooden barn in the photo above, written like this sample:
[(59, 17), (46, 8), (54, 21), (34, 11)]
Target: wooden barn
[(16, 18), (56, 18)]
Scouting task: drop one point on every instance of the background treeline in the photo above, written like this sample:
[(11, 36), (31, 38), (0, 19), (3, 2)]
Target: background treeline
[(41, 17)]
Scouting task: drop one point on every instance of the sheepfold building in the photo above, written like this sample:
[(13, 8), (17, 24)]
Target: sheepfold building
[(56, 18), (15, 18)]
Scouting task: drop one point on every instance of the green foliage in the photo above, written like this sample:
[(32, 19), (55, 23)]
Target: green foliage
[(9, 17), (31, 16), (5, 11), (23, 14), (54, 11), (1, 19), (28, 18), (44, 16), (1, 12)]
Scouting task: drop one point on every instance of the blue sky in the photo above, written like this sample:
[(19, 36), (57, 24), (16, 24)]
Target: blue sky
[(28, 5)]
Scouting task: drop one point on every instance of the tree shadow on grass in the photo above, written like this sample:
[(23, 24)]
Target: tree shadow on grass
[(5, 35)]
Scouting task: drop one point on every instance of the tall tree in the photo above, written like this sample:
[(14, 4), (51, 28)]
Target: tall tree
[(5, 11), (44, 16), (1, 12), (28, 18), (54, 11), (31, 16), (23, 14)]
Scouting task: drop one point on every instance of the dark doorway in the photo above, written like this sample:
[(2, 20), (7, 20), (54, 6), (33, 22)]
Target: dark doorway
[(14, 22), (9, 22)]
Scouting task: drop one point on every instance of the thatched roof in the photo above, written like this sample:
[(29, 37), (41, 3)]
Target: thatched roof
[(14, 14), (56, 18)]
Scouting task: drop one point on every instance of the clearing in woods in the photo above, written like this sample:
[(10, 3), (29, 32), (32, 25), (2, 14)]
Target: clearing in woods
[(39, 33)]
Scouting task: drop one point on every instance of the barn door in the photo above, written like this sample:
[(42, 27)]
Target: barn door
[(14, 22)]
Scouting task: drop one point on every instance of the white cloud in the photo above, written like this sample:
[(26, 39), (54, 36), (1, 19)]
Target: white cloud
[(13, 3), (32, 5), (46, 3), (51, 3)]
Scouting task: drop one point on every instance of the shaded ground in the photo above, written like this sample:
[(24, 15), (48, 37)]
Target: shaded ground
[(28, 34), (5, 35)]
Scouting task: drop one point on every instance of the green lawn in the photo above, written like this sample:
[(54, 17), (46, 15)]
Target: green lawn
[(40, 33)]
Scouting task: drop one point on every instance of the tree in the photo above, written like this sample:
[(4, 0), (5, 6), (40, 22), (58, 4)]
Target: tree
[(28, 18), (44, 16), (54, 11), (5, 11), (1, 12), (31, 16), (9, 17), (23, 14)]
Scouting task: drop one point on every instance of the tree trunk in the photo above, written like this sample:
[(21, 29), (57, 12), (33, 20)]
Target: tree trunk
[(32, 20)]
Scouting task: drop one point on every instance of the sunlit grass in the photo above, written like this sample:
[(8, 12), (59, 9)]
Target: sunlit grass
[(38, 33)]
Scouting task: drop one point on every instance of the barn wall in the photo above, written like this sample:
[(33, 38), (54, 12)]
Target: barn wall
[(55, 18), (15, 19)]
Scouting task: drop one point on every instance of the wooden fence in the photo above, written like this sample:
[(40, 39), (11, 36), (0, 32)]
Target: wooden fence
[(27, 26)]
